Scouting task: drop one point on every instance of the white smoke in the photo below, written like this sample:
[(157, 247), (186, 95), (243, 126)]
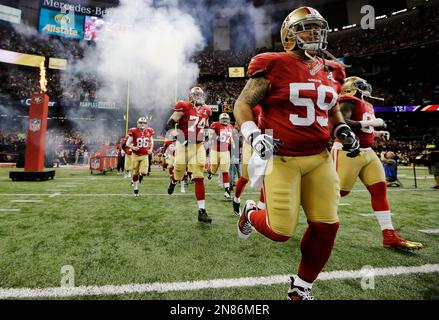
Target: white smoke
[(151, 55)]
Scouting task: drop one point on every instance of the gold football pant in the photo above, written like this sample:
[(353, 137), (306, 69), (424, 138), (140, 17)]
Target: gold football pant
[(190, 156), (310, 181), (140, 164), (128, 162), (367, 166), (247, 152), (170, 161), (219, 159)]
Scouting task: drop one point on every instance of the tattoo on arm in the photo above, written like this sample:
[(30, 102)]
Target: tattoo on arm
[(254, 91)]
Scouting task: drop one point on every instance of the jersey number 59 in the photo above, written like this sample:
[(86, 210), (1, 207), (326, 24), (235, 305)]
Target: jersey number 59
[(322, 92)]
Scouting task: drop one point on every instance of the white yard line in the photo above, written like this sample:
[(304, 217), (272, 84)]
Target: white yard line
[(25, 201), (204, 284), (9, 210), (430, 231)]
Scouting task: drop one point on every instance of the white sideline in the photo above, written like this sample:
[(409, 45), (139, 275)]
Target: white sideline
[(430, 231), (7, 293)]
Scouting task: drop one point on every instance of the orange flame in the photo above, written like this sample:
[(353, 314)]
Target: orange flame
[(43, 79)]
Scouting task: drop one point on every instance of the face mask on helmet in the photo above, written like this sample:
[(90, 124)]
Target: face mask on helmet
[(142, 123), (196, 96), (363, 87), (224, 119), (310, 34)]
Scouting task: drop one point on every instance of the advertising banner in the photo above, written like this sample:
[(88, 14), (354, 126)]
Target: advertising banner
[(10, 14), (80, 7), (432, 107), (23, 59), (236, 72), (64, 24)]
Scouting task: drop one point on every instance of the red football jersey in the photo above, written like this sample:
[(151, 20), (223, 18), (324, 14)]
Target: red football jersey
[(363, 110), (170, 150), (193, 121), (141, 139), (297, 103), (224, 136)]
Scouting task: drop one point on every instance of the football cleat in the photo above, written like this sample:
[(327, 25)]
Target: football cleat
[(244, 226), (203, 217), (209, 175), (236, 207), (227, 195), (299, 293), (136, 193), (392, 240), (171, 187)]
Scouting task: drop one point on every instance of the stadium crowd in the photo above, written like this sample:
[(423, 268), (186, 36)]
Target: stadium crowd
[(20, 82)]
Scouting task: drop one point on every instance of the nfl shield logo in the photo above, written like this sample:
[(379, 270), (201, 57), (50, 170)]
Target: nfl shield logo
[(34, 124), (37, 100)]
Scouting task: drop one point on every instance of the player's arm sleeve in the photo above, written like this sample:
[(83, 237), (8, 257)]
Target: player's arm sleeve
[(260, 65), (129, 141), (346, 107)]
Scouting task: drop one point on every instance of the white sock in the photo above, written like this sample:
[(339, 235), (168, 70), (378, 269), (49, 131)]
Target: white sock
[(227, 185), (237, 199), (201, 204), (261, 205), (384, 219), (136, 185), (302, 283)]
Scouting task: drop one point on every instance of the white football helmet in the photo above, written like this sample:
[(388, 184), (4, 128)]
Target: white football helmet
[(196, 96), (224, 118), (142, 123)]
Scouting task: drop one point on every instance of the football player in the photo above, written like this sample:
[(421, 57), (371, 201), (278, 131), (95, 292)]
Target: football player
[(128, 165), (221, 137), (191, 118), (360, 116), (298, 92), (150, 149), (139, 140)]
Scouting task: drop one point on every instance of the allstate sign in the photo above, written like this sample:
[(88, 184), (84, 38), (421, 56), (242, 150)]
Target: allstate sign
[(64, 24)]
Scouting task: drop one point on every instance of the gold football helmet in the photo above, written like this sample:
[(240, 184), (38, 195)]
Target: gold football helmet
[(142, 123), (352, 85), (304, 19), (196, 96)]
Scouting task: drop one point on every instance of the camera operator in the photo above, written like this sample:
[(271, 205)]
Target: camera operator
[(432, 158)]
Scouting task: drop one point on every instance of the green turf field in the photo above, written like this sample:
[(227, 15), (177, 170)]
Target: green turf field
[(93, 223)]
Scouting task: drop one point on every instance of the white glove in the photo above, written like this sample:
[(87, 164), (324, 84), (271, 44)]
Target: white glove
[(378, 122), (263, 144), (385, 135)]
